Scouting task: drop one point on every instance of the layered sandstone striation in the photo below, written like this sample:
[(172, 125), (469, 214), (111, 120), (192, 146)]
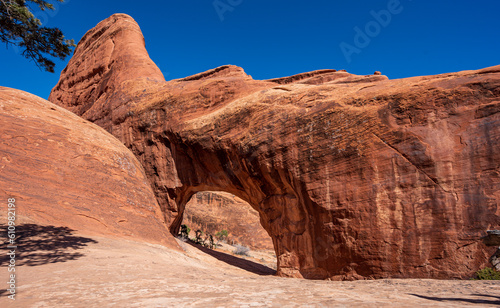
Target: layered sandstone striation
[(213, 212), (352, 176), (65, 171)]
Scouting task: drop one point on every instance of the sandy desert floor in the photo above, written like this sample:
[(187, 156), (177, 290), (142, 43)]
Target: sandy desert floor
[(60, 268)]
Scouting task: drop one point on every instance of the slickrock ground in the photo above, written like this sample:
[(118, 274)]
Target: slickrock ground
[(353, 176), (123, 273), (65, 171), (215, 211)]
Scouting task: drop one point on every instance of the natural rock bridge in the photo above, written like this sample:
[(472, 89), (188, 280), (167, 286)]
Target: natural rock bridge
[(352, 175)]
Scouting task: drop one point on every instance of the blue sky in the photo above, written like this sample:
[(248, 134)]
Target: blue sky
[(279, 38)]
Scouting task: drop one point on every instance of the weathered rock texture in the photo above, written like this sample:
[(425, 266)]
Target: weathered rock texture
[(215, 211), (353, 176), (65, 171)]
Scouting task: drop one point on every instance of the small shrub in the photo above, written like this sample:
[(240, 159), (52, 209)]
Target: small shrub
[(184, 232), (487, 273), (198, 239), (222, 235), (241, 250)]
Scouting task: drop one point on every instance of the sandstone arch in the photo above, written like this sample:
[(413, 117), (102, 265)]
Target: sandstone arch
[(212, 170), (354, 176)]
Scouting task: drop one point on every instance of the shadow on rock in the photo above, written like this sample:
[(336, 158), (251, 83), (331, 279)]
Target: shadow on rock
[(39, 245), (487, 299), (246, 265)]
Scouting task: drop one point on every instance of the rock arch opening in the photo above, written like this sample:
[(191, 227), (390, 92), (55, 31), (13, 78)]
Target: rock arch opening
[(233, 224)]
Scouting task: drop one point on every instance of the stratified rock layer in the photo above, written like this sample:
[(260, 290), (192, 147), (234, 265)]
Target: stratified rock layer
[(353, 176), (65, 171)]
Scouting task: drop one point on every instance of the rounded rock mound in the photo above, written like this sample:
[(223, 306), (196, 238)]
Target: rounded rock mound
[(65, 171)]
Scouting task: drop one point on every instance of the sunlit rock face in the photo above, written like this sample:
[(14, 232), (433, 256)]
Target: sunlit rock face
[(64, 171), (353, 176)]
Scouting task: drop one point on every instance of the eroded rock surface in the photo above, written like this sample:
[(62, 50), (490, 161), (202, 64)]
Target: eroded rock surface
[(353, 176), (65, 171)]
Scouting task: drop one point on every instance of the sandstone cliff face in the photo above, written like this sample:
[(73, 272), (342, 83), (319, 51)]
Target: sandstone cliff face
[(65, 171), (353, 176), (215, 211), (91, 78)]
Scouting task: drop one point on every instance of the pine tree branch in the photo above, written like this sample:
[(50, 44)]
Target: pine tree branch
[(19, 27)]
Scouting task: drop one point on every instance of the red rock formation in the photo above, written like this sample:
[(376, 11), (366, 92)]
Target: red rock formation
[(65, 171), (215, 211), (91, 78), (353, 176)]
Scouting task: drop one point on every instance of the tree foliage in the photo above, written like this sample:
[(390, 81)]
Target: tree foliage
[(20, 27), (222, 235)]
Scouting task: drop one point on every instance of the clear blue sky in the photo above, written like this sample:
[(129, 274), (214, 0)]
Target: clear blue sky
[(280, 38)]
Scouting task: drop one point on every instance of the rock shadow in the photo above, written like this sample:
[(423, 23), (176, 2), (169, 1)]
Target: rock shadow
[(38, 245), (246, 265), (486, 300)]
